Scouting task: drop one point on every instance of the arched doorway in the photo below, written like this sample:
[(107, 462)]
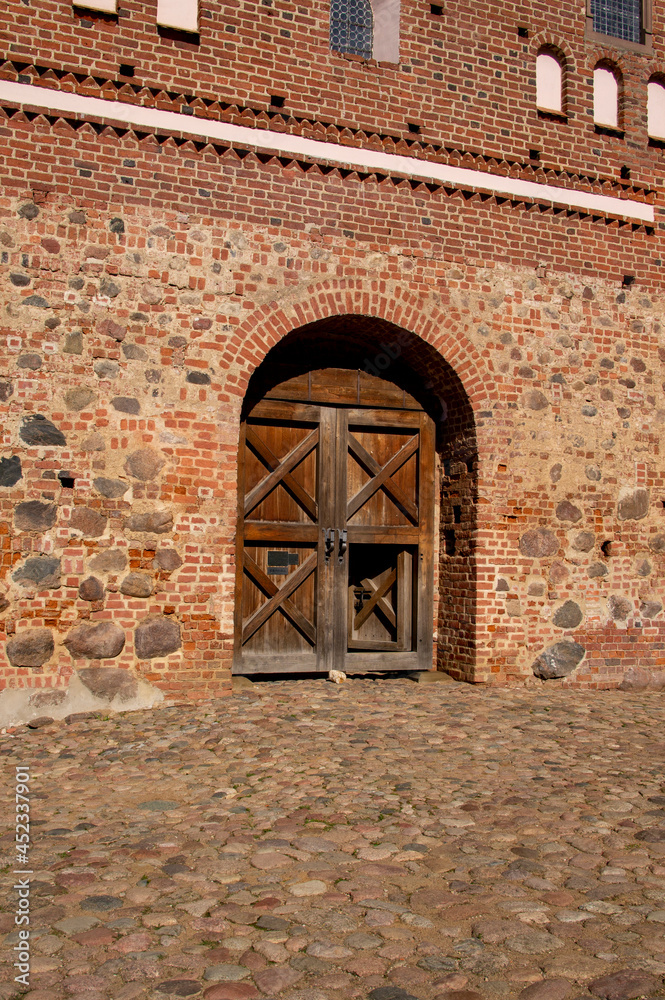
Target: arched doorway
[(337, 527)]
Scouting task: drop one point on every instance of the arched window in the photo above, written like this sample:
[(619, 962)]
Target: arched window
[(619, 19), (656, 109), (549, 81), (351, 27), (606, 96)]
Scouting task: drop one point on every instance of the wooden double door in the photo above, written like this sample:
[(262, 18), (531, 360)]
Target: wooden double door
[(335, 528)]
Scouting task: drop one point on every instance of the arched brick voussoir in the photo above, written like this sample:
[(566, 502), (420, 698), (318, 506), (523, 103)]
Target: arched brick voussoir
[(417, 314)]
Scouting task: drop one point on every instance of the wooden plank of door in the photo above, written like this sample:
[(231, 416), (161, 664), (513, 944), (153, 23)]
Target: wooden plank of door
[(397, 534), (369, 645), (279, 663), (382, 478), (342, 387), (284, 532), (269, 409), (404, 599), (292, 582), (269, 587), (239, 552), (379, 662), (408, 419), (281, 472), (327, 564), (425, 572), (340, 567), (296, 388)]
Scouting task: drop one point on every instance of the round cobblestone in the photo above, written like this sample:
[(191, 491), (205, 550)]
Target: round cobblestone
[(375, 839)]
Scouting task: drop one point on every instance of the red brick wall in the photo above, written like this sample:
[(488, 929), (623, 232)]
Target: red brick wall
[(466, 78), (201, 260)]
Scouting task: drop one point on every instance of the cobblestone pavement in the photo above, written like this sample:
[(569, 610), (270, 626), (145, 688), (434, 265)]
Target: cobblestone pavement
[(378, 838)]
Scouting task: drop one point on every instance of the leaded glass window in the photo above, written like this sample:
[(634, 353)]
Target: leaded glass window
[(351, 27), (618, 18)]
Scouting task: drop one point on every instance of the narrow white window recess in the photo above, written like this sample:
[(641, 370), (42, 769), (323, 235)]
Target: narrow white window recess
[(656, 109), (183, 15), (605, 97), (385, 41), (549, 82), (107, 6)]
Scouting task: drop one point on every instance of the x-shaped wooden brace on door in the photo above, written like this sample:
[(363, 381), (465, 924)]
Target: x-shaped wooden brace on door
[(377, 600), (280, 472), (382, 478), (279, 598)]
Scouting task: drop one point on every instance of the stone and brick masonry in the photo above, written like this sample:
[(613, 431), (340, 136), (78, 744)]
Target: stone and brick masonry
[(145, 276)]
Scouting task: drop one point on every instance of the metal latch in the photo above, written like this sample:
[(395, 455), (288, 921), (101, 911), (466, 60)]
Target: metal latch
[(329, 542)]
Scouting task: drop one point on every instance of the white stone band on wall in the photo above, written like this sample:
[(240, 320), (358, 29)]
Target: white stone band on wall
[(281, 144)]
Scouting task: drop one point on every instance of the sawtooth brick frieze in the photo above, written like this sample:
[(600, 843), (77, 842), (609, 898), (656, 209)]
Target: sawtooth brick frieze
[(153, 276)]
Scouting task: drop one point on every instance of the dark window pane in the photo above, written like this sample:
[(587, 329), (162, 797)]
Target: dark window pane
[(351, 27), (618, 18)]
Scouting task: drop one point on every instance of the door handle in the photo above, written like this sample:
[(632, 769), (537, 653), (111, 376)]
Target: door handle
[(329, 542), (342, 544)]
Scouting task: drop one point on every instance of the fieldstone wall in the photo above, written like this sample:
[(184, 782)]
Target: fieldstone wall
[(111, 551), (133, 317)]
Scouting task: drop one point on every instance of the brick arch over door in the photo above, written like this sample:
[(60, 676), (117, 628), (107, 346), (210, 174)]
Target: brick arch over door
[(420, 315), (351, 338)]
